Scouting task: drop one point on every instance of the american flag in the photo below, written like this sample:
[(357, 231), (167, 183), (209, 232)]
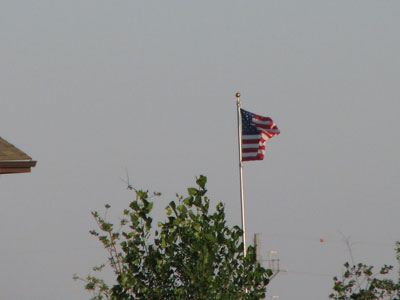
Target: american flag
[(256, 130)]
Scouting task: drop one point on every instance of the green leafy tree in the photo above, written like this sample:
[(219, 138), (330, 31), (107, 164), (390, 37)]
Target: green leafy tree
[(360, 282), (193, 254)]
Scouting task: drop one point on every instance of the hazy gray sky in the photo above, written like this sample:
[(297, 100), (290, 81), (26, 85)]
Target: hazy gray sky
[(89, 88)]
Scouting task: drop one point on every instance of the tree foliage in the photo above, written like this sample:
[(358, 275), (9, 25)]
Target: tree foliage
[(193, 254), (360, 282)]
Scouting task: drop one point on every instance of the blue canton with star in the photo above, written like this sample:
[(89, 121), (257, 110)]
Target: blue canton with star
[(247, 128)]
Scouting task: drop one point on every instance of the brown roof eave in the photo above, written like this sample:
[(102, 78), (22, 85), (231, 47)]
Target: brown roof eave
[(19, 166), (17, 163)]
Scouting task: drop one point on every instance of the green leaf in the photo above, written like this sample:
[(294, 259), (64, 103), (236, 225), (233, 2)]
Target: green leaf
[(201, 181), (192, 191), (210, 237)]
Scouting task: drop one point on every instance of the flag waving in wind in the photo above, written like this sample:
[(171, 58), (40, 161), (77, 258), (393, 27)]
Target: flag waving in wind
[(256, 130)]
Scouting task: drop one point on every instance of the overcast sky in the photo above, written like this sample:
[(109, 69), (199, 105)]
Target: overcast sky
[(91, 88)]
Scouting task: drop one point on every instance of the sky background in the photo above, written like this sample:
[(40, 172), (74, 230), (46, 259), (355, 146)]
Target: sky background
[(91, 88)]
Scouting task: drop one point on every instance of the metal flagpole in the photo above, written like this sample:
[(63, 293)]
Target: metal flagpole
[(241, 172)]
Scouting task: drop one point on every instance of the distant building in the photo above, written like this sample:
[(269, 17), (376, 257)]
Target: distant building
[(13, 160)]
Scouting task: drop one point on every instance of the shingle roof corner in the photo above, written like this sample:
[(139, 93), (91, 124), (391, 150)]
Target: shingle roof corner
[(13, 160)]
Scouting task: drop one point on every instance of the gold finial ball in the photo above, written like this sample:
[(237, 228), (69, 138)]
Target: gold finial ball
[(237, 95)]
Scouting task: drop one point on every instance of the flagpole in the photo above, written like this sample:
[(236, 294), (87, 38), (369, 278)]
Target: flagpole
[(241, 172)]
